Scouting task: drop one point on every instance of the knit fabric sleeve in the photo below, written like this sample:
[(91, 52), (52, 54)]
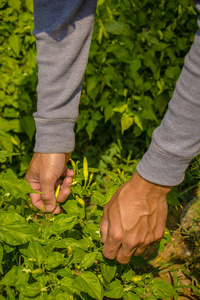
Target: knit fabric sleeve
[(63, 31), (177, 140)]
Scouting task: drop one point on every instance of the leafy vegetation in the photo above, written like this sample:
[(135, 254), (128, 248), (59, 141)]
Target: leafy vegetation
[(18, 80), (136, 56), (135, 59), (59, 257)]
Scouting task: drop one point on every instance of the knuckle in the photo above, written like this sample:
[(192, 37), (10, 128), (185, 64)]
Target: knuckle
[(123, 261), (109, 254), (116, 236), (148, 241), (159, 237), (139, 252)]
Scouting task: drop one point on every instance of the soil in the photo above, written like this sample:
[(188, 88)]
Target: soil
[(179, 257)]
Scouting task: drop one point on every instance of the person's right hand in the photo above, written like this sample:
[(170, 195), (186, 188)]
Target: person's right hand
[(44, 175)]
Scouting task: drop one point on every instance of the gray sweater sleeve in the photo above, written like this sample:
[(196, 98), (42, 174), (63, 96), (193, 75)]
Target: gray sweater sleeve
[(63, 31), (177, 140)]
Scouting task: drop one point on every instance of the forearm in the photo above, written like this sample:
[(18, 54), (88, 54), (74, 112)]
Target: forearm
[(63, 31), (177, 140)]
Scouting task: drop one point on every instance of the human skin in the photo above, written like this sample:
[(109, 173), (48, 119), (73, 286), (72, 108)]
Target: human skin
[(44, 173), (134, 218)]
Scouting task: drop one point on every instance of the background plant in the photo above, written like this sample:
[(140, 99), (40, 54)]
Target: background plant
[(135, 59), (136, 56), (59, 257)]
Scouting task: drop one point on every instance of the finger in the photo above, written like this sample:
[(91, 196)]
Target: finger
[(111, 234), (67, 182), (111, 248), (104, 229), (139, 250), (64, 193), (104, 226), (113, 242), (64, 183), (48, 197), (68, 173), (125, 253), (57, 210), (36, 200)]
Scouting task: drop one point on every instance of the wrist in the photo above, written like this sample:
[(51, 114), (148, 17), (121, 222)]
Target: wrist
[(144, 186)]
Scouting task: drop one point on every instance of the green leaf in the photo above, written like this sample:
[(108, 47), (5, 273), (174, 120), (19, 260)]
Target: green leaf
[(36, 251), (15, 277), (1, 258), (30, 290), (6, 142), (64, 243), (91, 125), (162, 289), (138, 121), (114, 290), (10, 293), (61, 296), (148, 114), (120, 108), (110, 192), (88, 260), (29, 5), (53, 260), (28, 125), (89, 283), (135, 65), (130, 296), (92, 83), (1, 253), (165, 240), (119, 28), (15, 43), (65, 272), (126, 121), (67, 285), (62, 223), (71, 207), (108, 270), (15, 4), (14, 230), (16, 187), (98, 198), (108, 112), (4, 155), (172, 72)]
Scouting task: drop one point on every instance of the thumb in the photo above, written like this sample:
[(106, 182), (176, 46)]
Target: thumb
[(48, 197)]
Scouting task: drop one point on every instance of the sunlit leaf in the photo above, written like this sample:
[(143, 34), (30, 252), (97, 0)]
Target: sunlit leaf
[(14, 230), (89, 283)]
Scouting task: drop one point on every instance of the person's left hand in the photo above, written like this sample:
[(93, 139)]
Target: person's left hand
[(134, 218)]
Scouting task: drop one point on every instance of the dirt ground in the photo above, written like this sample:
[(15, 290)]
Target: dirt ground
[(176, 263)]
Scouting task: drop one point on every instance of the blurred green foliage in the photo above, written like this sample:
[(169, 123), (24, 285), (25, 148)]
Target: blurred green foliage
[(136, 56), (18, 78)]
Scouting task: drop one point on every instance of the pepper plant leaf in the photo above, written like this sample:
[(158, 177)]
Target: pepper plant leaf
[(89, 283), (16, 187), (14, 230)]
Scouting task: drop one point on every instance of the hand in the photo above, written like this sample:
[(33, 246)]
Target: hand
[(133, 218), (44, 175)]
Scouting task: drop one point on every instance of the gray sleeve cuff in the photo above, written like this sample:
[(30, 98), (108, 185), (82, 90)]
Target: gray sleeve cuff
[(162, 168), (54, 136)]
